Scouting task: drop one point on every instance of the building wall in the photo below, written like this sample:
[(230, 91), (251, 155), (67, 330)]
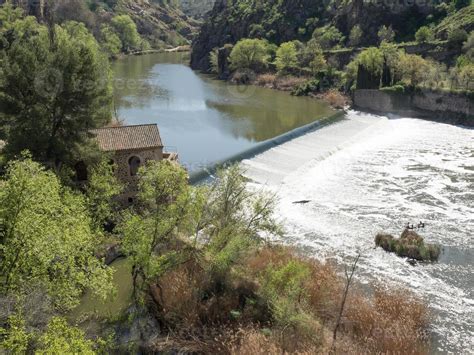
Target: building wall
[(121, 159)]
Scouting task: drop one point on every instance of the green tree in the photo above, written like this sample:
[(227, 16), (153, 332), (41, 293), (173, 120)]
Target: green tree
[(468, 46), (371, 59), (250, 54), (61, 338), (8, 15), (127, 31), (312, 57), (46, 238), (413, 69), (355, 36), (110, 41), (328, 36), (14, 337), (386, 34), (55, 87), (165, 197), (424, 34), (286, 57), (102, 189)]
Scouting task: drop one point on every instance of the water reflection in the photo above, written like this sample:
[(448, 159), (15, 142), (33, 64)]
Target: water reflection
[(207, 120)]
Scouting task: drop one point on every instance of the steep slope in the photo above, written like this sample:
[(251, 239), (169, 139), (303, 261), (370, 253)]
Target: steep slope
[(158, 21), (283, 20), (197, 9)]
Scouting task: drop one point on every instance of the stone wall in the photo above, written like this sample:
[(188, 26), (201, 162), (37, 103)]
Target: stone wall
[(121, 159), (438, 106)]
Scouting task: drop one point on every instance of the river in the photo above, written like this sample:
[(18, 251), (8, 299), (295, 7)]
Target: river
[(361, 175), (369, 173), (205, 120)]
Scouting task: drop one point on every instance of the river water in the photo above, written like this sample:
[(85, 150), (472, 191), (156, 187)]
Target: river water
[(205, 120), (361, 175), (369, 173)]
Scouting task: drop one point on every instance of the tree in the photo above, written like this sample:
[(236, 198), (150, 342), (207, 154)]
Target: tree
[(102, 189), (8, 15), (110, 41), (312, 57), (46, 238), (424, 34), (55, 87), (459, 4), (127, 31), (413, 69), (61, 338), (328, 36), (286, 57), (371, 59), (386, 34), (165, 197), (250, 54), (355, 36)]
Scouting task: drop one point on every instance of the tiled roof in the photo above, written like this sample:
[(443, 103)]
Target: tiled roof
[(128, 137)]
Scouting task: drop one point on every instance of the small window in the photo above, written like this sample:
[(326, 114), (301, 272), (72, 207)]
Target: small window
[(134, 164)]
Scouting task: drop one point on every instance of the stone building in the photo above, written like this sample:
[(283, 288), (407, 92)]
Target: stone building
[(131, 147)]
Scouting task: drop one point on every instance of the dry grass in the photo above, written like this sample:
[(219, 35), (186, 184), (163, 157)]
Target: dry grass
[(267, 80), (336, 99), (236, 318)]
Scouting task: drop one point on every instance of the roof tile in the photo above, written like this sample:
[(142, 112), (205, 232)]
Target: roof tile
[(128, 137)]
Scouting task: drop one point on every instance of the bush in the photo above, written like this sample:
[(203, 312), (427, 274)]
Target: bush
[(355, 36), (395, 88), (424, 34), (386, 34), (409, 245), (328, 36)]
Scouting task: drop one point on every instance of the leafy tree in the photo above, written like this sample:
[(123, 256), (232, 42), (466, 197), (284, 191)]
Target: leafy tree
[(110, 41), (61, 338), (102, 189), (424, 34), (312, 57), (55, 87), (286, 57), (328, 36), (166, 199), (46, 238), (371, 59), (127, 31), (250, 54), (413, 69), (386, 34), (15, 336), (355, 36), (8, 15)]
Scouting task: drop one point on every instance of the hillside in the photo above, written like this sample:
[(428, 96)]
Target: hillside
[(157, 21), (284, 20), (197, 9)]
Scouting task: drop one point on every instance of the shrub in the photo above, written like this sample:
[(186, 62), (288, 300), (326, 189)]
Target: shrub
[(395, 88), (424, 34), (409, 245)]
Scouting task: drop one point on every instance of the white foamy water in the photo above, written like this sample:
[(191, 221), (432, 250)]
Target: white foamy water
[(368, 174)]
